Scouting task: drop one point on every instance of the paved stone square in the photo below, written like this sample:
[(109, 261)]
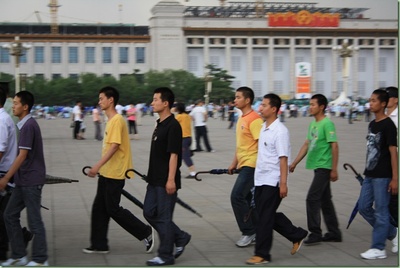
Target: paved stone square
[(214, 235)]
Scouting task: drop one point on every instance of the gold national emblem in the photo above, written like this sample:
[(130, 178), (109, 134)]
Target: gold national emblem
[(304, 17)]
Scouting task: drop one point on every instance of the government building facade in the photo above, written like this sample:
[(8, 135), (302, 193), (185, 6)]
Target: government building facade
[(261, 45)]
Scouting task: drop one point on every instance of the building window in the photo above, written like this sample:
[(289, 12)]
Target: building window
[(39, 76), (140, 55), (361, 87), (192, 63), (73, 55), (362, 64), (123, 54), (24, 58), (299, 59), (257, 64), (382, 64), (214, 60), (236, 84), (320, 64), (4, 55), (320, 87), (236, 64), (278, 64), (39, 54), (74, 76), (55, 54), (56, 76), (278, 87), (257, 87), (107, 58), (382, 84), (339, 86), (90, 54)]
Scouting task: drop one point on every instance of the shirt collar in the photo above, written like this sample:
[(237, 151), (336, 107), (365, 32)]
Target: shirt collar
[(21, 123), (272, 126)]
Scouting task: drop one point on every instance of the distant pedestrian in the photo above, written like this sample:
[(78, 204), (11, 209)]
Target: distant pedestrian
[(199, 116), (322, 152), (186, 124), (96, 115), (381, 178), (131, 116), (77, 119)]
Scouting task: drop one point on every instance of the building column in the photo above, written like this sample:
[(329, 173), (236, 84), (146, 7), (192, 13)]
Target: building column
[(249, 50)]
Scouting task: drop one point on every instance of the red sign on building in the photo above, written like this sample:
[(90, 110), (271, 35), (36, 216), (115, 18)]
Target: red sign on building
[(303, 19)]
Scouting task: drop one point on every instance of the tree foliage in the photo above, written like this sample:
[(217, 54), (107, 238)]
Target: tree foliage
[(133, 88)]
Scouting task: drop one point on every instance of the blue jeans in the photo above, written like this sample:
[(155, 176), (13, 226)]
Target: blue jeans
[(241, 199), (373, 205), (28, 197), (158, 210)]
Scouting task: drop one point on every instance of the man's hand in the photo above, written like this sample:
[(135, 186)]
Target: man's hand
[(93, 171), (292, 167), (283, 190), (170, 187), (334, 175), (3, 184), (393, 187)]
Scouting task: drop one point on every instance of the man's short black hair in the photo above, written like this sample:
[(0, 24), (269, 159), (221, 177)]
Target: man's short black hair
[(26, 98), (110, 92), (166, 95)]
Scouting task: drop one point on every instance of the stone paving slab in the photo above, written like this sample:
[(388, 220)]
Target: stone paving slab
[(214, 235)]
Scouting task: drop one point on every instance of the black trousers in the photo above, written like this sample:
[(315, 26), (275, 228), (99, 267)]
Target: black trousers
[(267, 200), (201, 132), (319, 198), (106, 206), (77, 128), (394, 208)]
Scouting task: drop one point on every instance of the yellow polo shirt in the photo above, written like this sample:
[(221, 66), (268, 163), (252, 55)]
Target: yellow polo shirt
[(116, 132)]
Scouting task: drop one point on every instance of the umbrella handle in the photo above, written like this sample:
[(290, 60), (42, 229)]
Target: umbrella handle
[(135, 171), (84, 169), (345, 165), (215, 172)]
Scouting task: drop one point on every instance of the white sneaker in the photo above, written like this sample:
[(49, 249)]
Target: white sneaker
[(15, 262), (373, 254), (33, 263), (395, 242), (245, 240)]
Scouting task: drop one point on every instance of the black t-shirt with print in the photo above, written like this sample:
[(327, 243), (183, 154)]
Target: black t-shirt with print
[(380, 136)]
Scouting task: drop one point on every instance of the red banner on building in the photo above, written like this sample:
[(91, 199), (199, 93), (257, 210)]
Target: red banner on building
[(303, 19)]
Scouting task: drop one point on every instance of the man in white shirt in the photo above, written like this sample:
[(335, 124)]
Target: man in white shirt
[(392, 111), (270, 181), (77, 117), (199, 116)]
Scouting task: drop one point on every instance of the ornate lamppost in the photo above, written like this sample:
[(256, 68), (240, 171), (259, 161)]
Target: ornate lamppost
[(208, 79), (17, 49), (345, 51)]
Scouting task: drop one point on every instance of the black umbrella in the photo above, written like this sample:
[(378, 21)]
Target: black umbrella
[(361, 180), (55, 179), (216, 171), (178, 200)]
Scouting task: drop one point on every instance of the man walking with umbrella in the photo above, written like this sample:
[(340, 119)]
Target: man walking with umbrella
[(247, 133), (322, 153), (381, 177)]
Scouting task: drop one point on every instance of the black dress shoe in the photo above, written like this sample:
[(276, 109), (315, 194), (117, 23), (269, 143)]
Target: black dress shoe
[(329, 237), (312, 240)]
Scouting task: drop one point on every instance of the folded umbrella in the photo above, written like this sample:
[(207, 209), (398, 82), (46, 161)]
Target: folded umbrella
[(178, 200), (360, 180), (215, 171)]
